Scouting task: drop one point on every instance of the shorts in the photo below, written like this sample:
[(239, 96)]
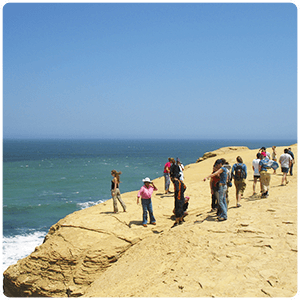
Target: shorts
[(256, 176), (284, 170), (240, 186)]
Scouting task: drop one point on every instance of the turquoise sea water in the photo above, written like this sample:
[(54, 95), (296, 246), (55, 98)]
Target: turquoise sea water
[(45, 180)]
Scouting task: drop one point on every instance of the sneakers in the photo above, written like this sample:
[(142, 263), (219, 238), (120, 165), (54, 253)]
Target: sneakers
[(153, 223), (220, 219)]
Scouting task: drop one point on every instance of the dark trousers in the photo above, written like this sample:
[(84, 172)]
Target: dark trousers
[(179, 208)]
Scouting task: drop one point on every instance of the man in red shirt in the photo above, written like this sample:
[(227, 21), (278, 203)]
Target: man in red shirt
[(167, 176)]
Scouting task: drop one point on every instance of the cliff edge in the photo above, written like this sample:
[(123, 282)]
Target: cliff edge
[(95, 253)]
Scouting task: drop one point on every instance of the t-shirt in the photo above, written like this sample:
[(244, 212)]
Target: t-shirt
[(215, 180), (145, 192), (291, 154), (167, 165), (255, 164), (284, 160), (174, 171), (264, 164), (244, 169), (223, 175)]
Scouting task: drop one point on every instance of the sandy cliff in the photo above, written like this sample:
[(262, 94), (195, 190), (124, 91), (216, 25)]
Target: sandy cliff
[(95, 253)]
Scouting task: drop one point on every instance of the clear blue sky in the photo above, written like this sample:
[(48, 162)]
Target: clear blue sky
[(150, 70)]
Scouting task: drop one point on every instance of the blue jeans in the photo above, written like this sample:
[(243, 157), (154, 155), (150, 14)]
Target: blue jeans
[(222, 201), (167, 181), (147, 206), (291, 169)]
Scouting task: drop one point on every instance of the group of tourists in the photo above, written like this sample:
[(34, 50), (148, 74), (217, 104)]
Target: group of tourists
[(220, 179), (173, 172)]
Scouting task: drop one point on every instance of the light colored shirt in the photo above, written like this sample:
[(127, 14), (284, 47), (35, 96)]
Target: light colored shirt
[(145, 192), (264, 164), (255, 165), (285, 160)]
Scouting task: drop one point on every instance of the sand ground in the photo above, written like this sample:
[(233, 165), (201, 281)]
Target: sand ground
[(252, 254)]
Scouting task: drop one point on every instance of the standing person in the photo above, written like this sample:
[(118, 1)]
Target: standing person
[(174, 170), (146, 193), (263, 150), (239, 173), (115, 191), (256, 175), (181, 168), (293, 161), (179, 188), (167, 176), (229, 178), (265, 177), (214, 188), (223, 173), (274, 155), (286, 162)]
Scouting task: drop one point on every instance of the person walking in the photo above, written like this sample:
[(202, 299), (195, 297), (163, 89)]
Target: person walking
[(265, 177), (274, 155), (223, 173), (286, 162), (256, 175), (293, 161), (115, 191), (214, 188), (239, 173), (145, 193)]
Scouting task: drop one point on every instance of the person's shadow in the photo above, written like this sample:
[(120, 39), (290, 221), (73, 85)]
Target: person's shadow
[(164, 195), (137, 223)]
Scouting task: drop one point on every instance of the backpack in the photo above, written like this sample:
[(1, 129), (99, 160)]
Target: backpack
[(239, 172)]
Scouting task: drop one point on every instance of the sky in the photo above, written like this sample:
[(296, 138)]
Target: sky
[(150, 70)]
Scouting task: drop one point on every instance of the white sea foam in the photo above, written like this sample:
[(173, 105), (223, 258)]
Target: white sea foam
[(19, 246), (89, 203)]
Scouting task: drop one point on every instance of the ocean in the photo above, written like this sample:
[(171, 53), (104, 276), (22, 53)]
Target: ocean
[(45, 180)]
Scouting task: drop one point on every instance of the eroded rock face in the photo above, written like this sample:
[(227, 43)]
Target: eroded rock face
[(70, 257), (95, 253), (220, 151)]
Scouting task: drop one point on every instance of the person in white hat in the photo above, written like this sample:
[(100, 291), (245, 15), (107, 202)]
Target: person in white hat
[(145, 194)]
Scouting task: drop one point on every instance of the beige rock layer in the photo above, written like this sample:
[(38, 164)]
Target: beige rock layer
[(95, 253)]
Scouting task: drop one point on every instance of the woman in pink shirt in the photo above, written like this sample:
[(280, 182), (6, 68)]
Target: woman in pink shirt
[(145, 194)]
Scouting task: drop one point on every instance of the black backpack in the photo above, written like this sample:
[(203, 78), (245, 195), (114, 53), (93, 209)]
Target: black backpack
[(239, 172)]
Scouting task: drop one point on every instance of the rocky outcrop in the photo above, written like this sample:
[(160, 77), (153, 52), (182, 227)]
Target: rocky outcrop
[(220, 151), (96, 253), (74, 252)]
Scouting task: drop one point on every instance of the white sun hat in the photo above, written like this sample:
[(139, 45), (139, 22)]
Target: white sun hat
[(147, 179)]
